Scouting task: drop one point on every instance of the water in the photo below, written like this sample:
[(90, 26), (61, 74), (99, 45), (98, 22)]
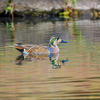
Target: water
[(36, 78)]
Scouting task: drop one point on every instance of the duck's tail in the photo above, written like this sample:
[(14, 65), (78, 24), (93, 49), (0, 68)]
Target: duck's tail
[(18, 47), (12, 46)]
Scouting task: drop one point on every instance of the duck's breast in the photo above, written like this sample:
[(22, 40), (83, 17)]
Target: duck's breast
[(53, 49)]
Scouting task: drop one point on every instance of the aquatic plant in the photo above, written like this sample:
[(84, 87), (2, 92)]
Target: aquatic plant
[(74, 2), (69, 10), (67, 1), (10, 8), (66, 13)]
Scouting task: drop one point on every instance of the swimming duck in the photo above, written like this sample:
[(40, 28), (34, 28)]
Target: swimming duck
[(38, 49)]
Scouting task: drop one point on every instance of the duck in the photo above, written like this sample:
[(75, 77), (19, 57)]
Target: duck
[(39, 49)]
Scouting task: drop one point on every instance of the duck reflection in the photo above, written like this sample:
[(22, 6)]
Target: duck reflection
[(55, 62), (30, 57)]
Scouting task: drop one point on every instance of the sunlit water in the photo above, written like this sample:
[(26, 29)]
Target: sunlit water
[(37, 78)]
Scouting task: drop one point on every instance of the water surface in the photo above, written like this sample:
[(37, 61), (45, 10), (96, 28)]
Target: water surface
[(37, 78)]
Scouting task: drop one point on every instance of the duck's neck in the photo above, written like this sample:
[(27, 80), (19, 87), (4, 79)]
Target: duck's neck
[(53, 48), (53, 43)]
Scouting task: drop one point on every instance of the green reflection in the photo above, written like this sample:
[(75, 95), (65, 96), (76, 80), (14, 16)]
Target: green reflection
[(11, 31), (76, 33)]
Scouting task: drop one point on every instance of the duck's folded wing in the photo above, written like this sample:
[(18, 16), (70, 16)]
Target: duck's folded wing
[(38, 50), (32, 49), (27, 47)]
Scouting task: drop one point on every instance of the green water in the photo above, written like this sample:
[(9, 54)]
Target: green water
[(37, 78)]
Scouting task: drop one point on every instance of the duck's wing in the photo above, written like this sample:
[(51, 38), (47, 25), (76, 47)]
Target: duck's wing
[(32, 49), (38, 50)]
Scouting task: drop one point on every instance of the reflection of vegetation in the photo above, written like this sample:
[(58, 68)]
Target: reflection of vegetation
[(11, 31), (77, 32), (10, 26), (10, 8)]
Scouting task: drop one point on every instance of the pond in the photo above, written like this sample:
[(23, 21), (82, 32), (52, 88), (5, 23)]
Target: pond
[(74, 74)]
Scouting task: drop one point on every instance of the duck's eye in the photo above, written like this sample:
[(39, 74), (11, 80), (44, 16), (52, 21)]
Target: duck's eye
[(57, 38)]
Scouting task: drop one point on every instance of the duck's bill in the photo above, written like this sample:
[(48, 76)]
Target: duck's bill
[(62, 41)]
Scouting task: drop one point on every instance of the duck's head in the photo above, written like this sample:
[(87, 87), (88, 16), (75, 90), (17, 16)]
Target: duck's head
[(55, 40)]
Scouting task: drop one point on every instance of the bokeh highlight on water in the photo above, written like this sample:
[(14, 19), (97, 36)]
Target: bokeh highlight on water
[(76, 78)]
